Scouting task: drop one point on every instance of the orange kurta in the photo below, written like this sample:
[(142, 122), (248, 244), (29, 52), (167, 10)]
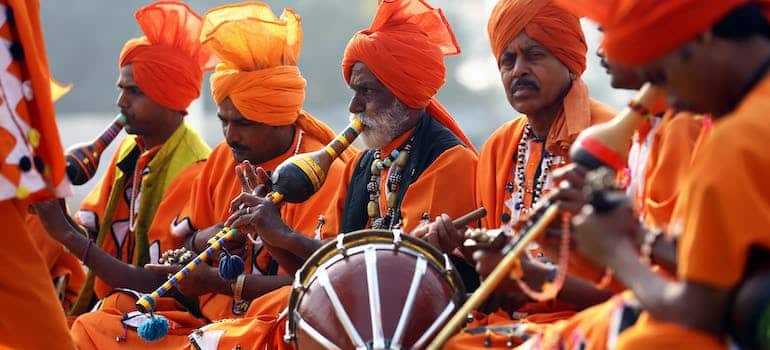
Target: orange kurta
[(101, 329), (218, 185), (672, 151), (32, 168), (437, 190), (722, 219), (445, 187)]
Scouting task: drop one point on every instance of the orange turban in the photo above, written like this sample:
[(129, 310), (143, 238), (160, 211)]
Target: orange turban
[(405, 47), (259, 73), (639, 31), (168, 61), (544, 22), (559, 31)]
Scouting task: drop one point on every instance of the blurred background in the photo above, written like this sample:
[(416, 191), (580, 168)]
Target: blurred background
[(84, 39)]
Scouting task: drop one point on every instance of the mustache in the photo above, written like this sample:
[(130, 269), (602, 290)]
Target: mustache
[(524, 82), (603, 62), (237, 146)]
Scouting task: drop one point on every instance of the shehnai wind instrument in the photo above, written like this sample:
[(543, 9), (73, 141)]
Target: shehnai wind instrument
[(294, 181), (83, 158)]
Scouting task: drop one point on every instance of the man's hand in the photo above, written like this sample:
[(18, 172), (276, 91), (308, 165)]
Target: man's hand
[(258, 215), (604, 237), (202, 280), (253, 180), (54, 218), (441, 234)]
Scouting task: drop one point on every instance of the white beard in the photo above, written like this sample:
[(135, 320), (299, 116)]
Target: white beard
[(381, 129)]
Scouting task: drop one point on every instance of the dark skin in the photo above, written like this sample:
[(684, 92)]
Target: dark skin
[(247, 141), (621, 77), (535, 82), (259, 214), (691, 75), (155, 124), (145, 117)]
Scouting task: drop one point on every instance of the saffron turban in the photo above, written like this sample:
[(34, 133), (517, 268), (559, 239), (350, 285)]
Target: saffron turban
[(168, 61), (639, 31), (560, 32), (548, 24), (404, 47), (259, 72)]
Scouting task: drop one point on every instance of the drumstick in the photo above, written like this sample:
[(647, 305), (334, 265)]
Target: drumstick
[(494, 279), (470, 217)]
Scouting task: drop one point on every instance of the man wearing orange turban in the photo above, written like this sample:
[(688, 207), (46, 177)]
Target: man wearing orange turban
[(395, 68), (122, 222), (715, 62), (259, 92), (541, 54)]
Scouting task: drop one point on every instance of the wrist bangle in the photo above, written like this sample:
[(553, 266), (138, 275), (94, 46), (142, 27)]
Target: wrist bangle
[(646, 249), (239, 305)]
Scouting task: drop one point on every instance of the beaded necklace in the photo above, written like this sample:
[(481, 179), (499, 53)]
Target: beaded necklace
[(395, 162), (516, 203)]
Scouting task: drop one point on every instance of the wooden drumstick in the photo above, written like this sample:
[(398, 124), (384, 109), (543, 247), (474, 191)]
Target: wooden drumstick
[(470, 217), (493, 280)]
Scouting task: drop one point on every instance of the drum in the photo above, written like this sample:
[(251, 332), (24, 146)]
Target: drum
[(372, 289)]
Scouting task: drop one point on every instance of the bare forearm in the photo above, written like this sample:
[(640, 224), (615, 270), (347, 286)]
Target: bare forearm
[(288, 261), (257, 286), (581, 293), (664, 254), (198, 242), (112, 271), (685, 303)]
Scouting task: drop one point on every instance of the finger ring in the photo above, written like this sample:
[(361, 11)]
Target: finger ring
[(248, 210)]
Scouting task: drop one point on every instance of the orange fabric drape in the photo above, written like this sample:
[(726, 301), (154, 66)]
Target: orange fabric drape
[(168, 61), (259, 72), (209, 204), (544, 22), (640, 31), (560, 32), (710, 250), (405, 47)]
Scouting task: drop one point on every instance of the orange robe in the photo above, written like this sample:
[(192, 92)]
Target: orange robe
[(437, 190), (672, 151), (64, 267), (109, 202), (210, 204), (32, 168), (721, 219), (495, 189), (103, 328)]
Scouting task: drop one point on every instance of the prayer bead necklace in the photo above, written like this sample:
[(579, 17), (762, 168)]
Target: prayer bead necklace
[(516, 205), (395, 162), (135, 188)]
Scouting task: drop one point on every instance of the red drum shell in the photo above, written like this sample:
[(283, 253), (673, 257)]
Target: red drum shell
[(347, 274)]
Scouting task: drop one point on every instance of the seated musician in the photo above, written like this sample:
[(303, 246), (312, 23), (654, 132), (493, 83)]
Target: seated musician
[(116, 231), (718, 65), (418, 162), (259, 92)]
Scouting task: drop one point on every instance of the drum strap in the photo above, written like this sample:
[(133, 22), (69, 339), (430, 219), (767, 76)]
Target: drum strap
[(431, 139)]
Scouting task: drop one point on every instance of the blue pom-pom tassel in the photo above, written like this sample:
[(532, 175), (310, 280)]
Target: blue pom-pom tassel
[(230, 266), (155, 328)]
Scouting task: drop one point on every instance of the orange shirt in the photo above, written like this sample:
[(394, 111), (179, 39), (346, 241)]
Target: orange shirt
[(727, 196), (444, 187), (210, 202)]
